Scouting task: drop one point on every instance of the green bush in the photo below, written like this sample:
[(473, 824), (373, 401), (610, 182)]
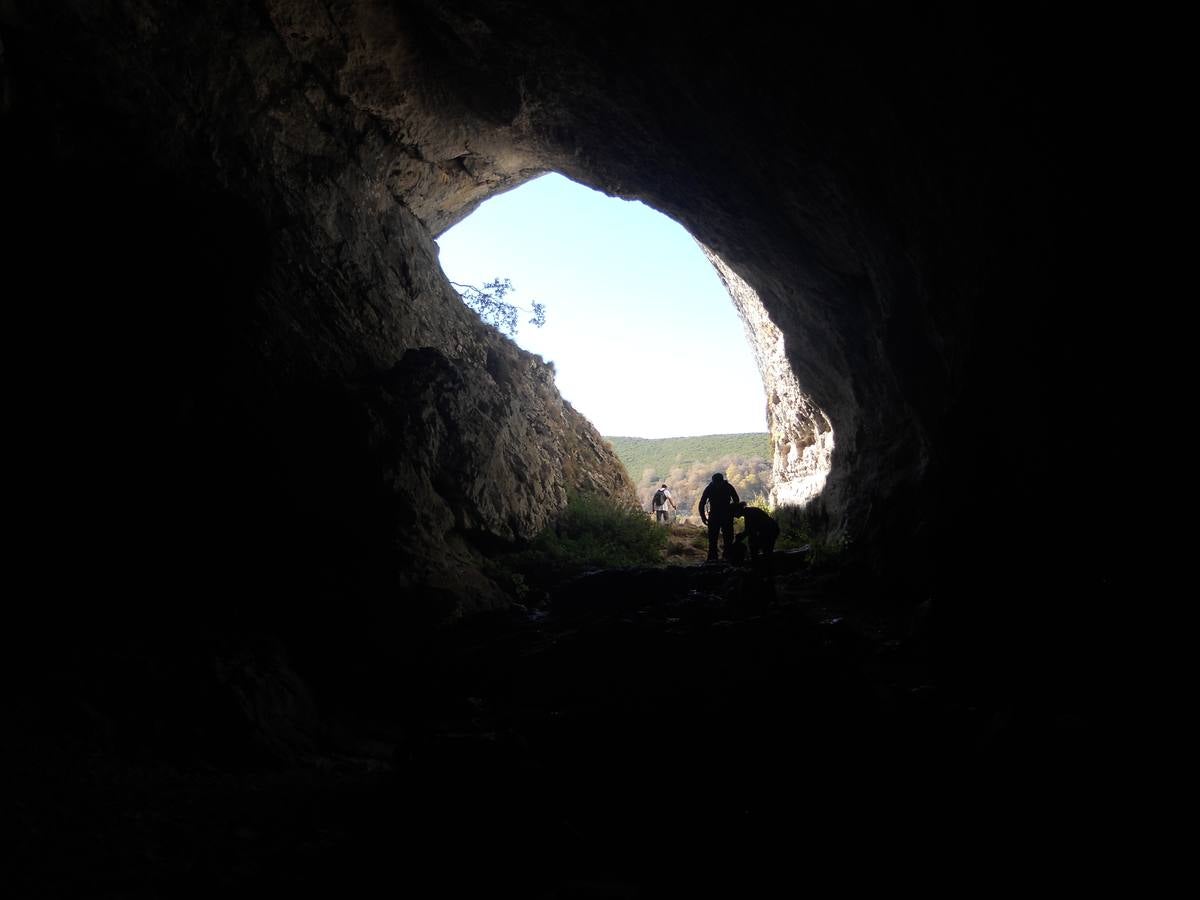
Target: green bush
[(598, 531), (592, 532), (809, 526)]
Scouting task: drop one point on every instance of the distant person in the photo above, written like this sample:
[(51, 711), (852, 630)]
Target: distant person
[(720, 498), (659, 503), (760, 531)]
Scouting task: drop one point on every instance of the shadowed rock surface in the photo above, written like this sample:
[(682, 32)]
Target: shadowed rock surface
[(263, 454), (703, 731)]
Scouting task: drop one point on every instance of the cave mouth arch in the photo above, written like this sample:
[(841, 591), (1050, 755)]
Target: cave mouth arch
[(221, 223), (641, 332), (845, 195)]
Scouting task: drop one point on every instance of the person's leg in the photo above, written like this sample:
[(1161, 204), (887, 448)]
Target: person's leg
[(768, 550), (727, 537), (713, 529)]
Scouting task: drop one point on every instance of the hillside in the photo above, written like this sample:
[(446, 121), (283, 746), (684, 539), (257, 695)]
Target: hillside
[(687, 463)]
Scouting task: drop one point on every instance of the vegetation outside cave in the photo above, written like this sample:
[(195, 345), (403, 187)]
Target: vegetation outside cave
[(686, 465)]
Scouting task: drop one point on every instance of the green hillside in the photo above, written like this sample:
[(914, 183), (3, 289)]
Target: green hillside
[(687, 463), (660, 455)]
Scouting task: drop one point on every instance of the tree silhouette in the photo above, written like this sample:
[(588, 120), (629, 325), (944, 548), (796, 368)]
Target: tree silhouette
[(489, 302)]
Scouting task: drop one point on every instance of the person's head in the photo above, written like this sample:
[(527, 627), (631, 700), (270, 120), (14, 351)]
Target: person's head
[(739, 508), (718, 477), (664, 487)]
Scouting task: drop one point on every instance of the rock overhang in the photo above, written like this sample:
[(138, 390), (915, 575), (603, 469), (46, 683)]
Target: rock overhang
[(868, 175)]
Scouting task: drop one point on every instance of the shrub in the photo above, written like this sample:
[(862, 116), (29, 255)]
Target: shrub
[(809, 525), (592, 532), (599, 531)]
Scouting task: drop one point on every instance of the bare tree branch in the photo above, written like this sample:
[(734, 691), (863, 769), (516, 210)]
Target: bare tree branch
[(489, 302)]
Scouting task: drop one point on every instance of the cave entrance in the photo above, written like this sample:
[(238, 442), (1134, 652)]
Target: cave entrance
[(639, 325)]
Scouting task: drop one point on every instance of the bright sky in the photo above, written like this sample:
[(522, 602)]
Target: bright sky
[(635, 315)]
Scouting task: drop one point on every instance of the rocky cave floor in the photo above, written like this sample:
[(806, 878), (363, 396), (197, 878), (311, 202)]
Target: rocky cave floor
[(652, 732)]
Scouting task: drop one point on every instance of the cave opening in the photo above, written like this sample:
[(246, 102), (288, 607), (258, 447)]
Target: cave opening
[(651, 334), (269, 461), (641, 330)]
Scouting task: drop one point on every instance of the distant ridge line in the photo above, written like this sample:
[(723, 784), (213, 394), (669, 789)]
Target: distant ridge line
[(687, 464), (685, 437)]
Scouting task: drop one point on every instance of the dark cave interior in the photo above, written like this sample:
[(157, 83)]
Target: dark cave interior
[(257, 645)]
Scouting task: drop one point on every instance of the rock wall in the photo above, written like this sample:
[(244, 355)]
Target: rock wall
[(284, 395), (236, 338), (801, 435)]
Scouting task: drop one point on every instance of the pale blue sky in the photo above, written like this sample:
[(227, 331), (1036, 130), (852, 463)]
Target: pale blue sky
[(635, 315)]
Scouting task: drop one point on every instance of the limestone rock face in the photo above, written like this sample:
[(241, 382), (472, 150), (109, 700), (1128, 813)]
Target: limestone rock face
[(801, 436), (291, 385), (474, 456)]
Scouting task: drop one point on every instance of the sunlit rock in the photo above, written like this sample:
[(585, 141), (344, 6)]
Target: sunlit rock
[(801, 436)]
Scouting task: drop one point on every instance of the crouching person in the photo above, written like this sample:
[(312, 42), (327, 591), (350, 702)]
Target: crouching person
[(760, 531)]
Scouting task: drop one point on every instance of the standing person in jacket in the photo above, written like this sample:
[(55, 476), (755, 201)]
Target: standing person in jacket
[(720, 498)]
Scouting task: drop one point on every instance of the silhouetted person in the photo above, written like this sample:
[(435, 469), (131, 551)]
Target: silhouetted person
[(720, 498), (659, 502), (760, 531)]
